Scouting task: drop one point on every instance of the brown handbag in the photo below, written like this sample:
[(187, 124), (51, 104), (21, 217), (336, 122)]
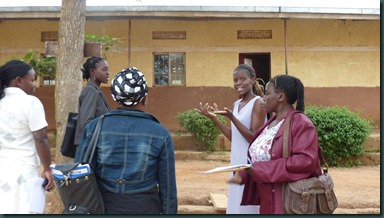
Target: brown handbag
[(308, 196)]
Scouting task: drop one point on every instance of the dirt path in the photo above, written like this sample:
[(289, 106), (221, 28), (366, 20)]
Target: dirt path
[(357, 187)]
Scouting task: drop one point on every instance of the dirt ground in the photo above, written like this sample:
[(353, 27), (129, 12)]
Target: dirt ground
[(355, 188)]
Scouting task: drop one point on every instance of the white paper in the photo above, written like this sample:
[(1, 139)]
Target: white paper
[(228, 168), (37, 200)]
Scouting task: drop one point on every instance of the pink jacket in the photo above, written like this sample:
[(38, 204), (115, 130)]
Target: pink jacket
[(265, 185)]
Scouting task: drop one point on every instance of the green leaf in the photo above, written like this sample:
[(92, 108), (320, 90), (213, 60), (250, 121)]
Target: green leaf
[(201, 127), (341, 133)]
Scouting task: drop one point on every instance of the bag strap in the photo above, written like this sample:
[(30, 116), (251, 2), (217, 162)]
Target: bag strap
[(93, 142), (105, 100), (286, 135), (322, 160)]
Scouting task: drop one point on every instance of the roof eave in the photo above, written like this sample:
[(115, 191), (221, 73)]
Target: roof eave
[(53, 12)]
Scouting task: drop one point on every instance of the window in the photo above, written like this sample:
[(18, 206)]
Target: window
[(47, 81), (169, 68)]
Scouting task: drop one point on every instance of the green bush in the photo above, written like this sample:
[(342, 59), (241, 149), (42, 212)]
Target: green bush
[(341, 133), (44, 66), (201, 127)]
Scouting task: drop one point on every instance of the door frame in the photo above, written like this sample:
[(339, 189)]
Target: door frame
[(261, 62)]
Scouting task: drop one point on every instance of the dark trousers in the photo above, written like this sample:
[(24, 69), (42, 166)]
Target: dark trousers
[(147, 202)]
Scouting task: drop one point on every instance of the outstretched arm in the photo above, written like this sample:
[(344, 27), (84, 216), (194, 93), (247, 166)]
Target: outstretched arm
[(257, 120), (204, 110)]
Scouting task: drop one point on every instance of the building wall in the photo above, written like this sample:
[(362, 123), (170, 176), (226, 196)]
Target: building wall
[(323, 53), (166, 102), (337, 60), (335, 53)]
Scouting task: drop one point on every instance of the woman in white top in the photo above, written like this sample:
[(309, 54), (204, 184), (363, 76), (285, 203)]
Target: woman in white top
[(23, 139), (247, 116)]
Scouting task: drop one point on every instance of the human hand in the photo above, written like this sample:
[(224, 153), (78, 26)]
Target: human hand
[(204, 110), (47, 174), (249, 171), (226, 112), (236, 178)]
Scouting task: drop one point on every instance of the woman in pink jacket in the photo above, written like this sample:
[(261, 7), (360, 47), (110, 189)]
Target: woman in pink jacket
[(263, 181)]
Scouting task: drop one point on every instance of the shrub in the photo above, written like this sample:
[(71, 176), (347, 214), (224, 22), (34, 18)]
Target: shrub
[(44, 66), (202, 128), (341, 133)]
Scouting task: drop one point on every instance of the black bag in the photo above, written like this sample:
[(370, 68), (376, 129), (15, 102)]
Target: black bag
[(77, 184), (68, 147)]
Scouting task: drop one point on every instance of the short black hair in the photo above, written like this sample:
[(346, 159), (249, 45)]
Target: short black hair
[(11, 70)]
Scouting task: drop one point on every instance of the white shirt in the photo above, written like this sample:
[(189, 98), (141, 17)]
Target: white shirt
[(21, 114)]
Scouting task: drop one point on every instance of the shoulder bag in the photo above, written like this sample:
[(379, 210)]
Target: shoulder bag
[(77, 184), (308, 196), (68, 147)]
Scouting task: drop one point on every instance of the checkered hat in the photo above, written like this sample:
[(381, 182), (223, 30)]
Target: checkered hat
[(129, 87)]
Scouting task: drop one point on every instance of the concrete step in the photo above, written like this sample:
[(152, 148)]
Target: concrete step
[(202, 155), (370, 158), (373, 142), (187, 142), (197, 209)]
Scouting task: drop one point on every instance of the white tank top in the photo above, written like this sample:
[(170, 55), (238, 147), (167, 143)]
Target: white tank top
[(239, 145)]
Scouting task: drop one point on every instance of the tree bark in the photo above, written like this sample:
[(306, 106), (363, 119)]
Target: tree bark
[(68, 75)]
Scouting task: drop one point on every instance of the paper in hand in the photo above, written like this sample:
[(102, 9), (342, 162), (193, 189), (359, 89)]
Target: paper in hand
[(37, 200), (228, 168)]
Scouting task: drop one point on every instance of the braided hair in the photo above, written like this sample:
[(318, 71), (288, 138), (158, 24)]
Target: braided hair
[(89, 65), (293, 89), (257, 88), (11, 70)]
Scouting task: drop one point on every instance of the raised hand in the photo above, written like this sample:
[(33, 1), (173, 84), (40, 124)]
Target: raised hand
[(226, 112), (205, 110)]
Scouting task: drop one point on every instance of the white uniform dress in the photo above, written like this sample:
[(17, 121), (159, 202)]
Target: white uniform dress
[(19, 163), (239, 149)]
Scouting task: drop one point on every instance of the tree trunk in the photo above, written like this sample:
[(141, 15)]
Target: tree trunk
[(68, 75)]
